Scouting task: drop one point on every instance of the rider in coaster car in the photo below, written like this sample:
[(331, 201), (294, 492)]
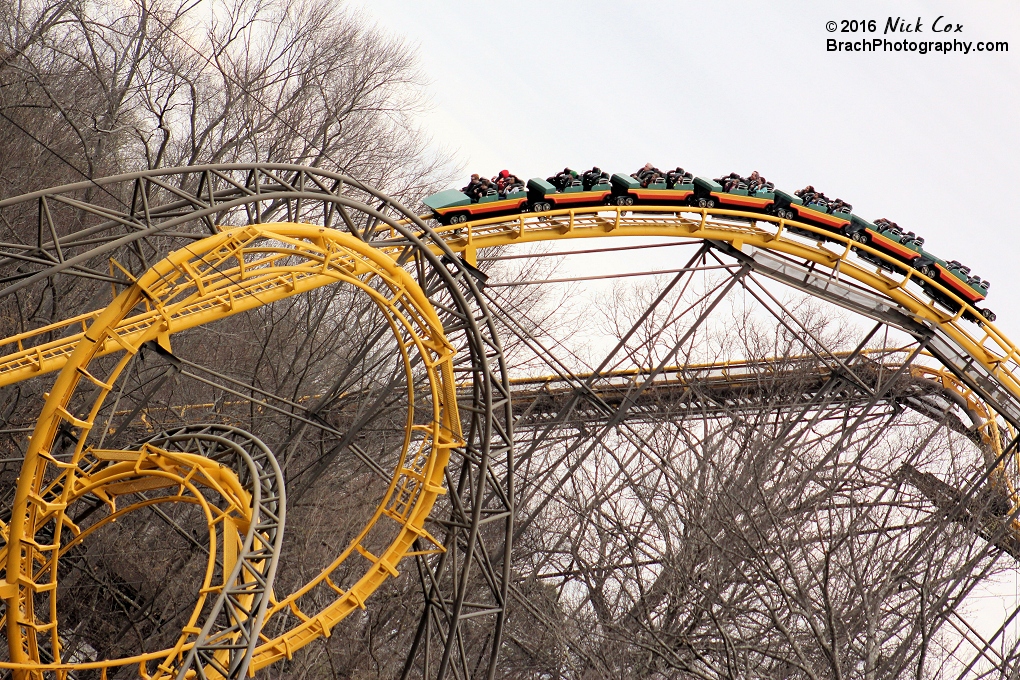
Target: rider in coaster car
[(806, 194), (562, 180), (647, 174), (504, 180), (809, 195), (898, 233), (731, 181), (756, 182), (678, 176), (590, 178), (908, 237), (471, 190), (482, 189), (839, 205)]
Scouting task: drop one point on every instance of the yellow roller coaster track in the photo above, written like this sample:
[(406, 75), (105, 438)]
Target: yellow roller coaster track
[(244, 268), (222, 275)]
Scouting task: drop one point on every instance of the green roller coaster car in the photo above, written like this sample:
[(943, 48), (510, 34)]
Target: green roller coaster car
[(453, 207), (791, 207), (905, 248), (956, 278), (628, 191), (544, 196), (709, 194)]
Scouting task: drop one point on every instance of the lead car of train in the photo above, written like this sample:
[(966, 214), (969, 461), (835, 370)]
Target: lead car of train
[(905, 248)]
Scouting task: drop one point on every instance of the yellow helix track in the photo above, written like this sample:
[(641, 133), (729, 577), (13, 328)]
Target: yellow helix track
[(238, 270), (247, 267)]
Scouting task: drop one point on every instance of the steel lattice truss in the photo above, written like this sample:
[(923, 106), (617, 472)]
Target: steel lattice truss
[(212, 349)]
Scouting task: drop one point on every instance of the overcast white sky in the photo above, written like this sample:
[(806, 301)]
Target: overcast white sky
[(930, 141)]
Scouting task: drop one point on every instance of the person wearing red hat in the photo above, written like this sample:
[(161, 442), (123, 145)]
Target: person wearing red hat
[(504, 180)]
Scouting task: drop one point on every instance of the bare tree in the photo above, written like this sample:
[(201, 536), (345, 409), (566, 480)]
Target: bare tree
[(120, 86)]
